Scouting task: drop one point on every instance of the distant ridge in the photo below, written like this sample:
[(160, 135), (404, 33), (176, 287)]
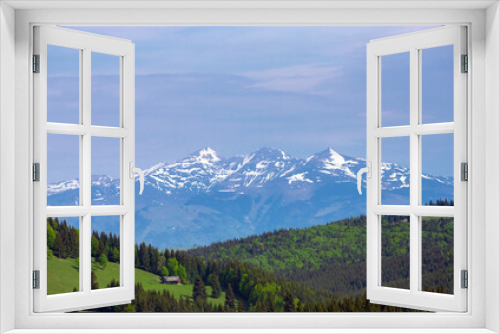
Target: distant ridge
[(204, 198)]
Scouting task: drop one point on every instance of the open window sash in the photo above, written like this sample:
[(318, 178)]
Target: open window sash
[(84, 297), (415, 297)]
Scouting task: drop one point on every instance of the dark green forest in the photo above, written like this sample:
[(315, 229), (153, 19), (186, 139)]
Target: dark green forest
[(333, 256), (316, 269)]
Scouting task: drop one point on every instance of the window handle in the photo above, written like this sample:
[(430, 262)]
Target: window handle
[(139, 171), (368, 171)]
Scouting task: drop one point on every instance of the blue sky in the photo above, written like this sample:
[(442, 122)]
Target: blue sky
[(236, 89)]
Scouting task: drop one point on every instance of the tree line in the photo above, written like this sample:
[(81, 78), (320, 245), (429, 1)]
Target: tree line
[(329, 282), (333, 256)]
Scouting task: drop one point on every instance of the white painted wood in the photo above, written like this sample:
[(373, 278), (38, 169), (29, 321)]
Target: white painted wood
[(413, 43), (247, 4), (491, 166), (420, 210), (86, 43), (7, 167), (418, 129), (77, 129), (471, 322)]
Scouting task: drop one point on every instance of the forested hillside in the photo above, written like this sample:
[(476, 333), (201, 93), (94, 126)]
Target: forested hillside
[(318, 269), (332, 256)]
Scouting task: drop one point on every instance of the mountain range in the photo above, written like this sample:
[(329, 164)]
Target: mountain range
[(205, 198)]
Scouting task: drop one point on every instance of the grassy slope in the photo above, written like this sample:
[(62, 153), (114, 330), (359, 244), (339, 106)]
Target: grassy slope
[(63, 277)]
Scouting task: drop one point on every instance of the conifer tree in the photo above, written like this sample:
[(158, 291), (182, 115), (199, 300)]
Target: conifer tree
[(93, 280), (300, 306), (115, 255), (214, 282), (162, 261), (230, 302), (240, 306), (271, 306), (289, 302), (199, 293)]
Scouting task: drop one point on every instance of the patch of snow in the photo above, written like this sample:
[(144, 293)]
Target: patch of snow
[(299, 177)]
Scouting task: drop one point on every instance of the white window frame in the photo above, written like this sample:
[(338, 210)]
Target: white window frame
[(413, 44), (482, 19), (86, 44)]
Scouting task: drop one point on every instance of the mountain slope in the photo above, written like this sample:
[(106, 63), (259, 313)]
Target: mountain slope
[(205, 198), (333, 256)]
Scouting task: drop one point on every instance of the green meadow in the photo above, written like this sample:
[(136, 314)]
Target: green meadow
[(63, 277)]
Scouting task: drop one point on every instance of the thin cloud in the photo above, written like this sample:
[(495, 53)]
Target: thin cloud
[(295, 79)]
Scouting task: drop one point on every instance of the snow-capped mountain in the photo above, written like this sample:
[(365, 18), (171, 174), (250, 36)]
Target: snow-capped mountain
[(205, 198)]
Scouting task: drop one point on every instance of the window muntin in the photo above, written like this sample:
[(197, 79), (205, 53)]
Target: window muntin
[(82, 296), (422, 320), (415, 43)]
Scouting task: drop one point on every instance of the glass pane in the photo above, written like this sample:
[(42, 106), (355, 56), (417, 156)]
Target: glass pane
[(395, 89), (105, 251), (63, 85), (63, 255), (63, 170), (105, 90), (105, 171), (437, 169), (437, 254), (395, 171), (396, 251), (437, 84)]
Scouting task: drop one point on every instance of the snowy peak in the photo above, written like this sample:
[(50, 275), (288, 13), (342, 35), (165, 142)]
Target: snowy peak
[(205, 172), (266, 153), (331, 157), (204, 156), (330, 162)]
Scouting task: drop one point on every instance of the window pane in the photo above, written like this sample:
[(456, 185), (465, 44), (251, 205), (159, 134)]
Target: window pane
[(105, 90), (63, 85), (395, 171), (395, 89), (105, 250), (63, 170), (105, 171), (437, 169), (437, 84), (437, 254), (396, 251), (63, 254)]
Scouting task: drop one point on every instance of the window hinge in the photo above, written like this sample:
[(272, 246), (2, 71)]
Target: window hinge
[(465, 64), (36, 172), (464, 171), (465, 279), (36, 279), (36, 63)]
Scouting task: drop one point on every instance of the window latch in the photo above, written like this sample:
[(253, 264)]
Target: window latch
[(368, 171), (132, 171)]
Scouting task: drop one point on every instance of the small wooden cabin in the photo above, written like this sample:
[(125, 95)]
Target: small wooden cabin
[(171, 280)]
